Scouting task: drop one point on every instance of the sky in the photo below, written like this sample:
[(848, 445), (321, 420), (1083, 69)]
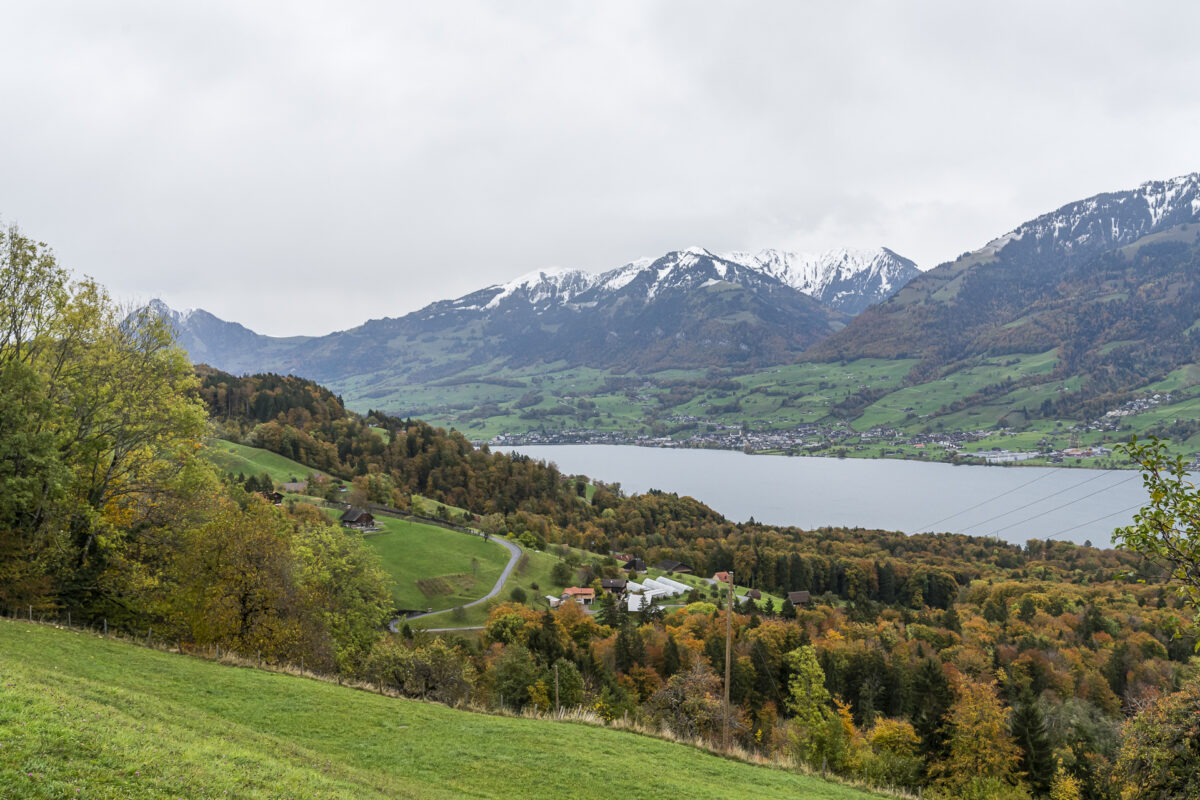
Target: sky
[(301, 167)]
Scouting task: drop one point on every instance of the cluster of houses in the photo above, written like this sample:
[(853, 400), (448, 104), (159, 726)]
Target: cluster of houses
[(636, 594)]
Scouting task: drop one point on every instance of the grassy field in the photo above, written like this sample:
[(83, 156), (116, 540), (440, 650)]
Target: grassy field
[(93, 718), (238, 458), (432, 567), (533, 571)]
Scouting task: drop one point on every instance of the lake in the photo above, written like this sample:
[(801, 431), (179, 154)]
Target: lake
[(1013, 503)]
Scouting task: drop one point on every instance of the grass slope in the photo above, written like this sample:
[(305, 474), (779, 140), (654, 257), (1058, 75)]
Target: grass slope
[(238, 458), (86, 717), (439, 559)]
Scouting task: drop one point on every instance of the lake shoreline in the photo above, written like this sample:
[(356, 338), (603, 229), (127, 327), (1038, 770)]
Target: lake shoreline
[(1078, 504)]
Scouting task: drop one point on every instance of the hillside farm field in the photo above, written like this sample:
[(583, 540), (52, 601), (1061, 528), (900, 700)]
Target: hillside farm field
[(432, 567), (83, 716)]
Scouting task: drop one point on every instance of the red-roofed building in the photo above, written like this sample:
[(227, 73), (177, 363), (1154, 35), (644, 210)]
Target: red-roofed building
[(585, 596)]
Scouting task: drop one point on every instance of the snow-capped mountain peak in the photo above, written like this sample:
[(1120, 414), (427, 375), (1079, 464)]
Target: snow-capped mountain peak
[(163, 310), (1108, 220), (847, 279), (555, 283)]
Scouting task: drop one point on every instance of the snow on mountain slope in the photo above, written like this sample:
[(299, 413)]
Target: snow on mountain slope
[(1108, 220), (848, 280)]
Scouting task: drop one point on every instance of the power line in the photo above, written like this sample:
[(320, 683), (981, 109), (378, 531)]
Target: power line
[(1064, 505), (1045, 474), (1093, 521), (1035, 502)]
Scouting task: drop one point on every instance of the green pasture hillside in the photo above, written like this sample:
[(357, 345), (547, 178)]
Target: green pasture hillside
[(240, 459), (432, 567), (82, 716)]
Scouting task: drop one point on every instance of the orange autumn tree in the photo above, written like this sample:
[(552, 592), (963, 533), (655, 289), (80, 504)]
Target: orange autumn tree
[(983, 757)]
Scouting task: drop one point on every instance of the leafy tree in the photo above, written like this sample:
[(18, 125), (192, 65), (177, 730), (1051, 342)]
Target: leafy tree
[(433, 671), (690, 704), (980, 746), (562, 574), (894, 755), (1160, 753), (1168, 529), (114, 396), (570, 683), (809, 701), (514, 674)]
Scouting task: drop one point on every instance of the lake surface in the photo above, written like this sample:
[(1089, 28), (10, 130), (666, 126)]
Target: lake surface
[(1013, 503)]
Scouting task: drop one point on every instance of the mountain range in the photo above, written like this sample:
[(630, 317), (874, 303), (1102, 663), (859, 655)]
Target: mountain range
[(686, 308), (1113, 267), (1108, 287)]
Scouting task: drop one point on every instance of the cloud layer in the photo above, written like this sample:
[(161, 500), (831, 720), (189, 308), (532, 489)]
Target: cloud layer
[(301, 167)]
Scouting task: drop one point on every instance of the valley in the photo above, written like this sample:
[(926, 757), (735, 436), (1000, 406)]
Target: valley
[(1047, 345)]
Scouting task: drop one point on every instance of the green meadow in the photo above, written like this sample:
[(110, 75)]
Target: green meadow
[(432, 567), (87, 717), (240, 459)]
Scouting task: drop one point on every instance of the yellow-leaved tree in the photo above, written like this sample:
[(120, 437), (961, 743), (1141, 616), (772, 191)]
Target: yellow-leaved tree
[(983, 758)]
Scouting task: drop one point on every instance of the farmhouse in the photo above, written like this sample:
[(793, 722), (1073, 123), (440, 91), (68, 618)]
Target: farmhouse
[(585, 596), (357, 518), (613, 585), (720, 577), (674, 566), (635, 565), (800, 598)]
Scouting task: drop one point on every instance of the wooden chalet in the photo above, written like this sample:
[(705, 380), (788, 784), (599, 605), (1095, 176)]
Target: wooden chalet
[(357, 518), (613, 585), (800, 598), (635, 565)]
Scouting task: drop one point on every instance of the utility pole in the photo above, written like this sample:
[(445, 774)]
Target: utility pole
[(555, 687), (728, 656)]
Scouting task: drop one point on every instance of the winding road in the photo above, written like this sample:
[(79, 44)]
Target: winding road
[(514, 554)]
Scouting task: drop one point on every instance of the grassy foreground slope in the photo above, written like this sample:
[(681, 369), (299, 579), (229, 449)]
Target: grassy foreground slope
[(82, 716)]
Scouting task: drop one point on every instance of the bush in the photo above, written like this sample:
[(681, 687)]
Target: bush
[(518, 595)]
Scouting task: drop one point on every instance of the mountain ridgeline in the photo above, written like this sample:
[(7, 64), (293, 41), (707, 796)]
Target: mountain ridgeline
[(1106, 287), (689, 308), (1117, 267)]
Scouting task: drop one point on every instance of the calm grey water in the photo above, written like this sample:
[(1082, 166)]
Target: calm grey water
[(1013, 503)]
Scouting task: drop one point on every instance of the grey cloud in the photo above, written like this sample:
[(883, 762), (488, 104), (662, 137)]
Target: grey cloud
[(300, 167)]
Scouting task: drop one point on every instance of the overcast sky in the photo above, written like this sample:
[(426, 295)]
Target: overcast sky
[(301, 167)]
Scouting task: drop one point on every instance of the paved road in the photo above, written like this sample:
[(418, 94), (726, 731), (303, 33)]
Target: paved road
[(514, 554)]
